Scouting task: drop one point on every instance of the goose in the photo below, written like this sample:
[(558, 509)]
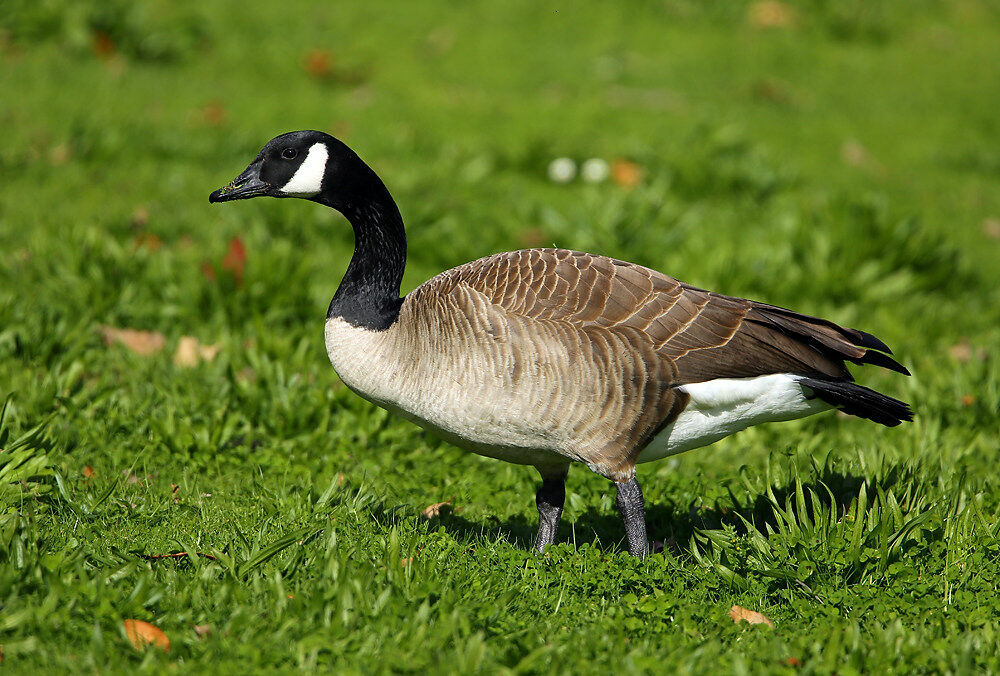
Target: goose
[(549, 357)]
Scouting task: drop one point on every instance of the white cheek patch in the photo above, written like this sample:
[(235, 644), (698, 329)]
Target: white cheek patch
[(308, 179)]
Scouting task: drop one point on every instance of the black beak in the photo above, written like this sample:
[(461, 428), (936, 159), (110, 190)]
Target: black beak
[(243, 187)]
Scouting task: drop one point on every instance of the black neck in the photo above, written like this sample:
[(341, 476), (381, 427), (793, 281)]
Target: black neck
[(368, 296)]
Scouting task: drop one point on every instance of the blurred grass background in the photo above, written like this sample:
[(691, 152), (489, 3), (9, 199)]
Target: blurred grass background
[(842, 159)]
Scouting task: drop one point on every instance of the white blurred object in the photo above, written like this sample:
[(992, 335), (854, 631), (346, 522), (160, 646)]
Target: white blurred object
[(595, 170), (562, 170)]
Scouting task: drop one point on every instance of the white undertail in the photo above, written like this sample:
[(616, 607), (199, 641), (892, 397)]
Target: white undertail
[(725, 406)]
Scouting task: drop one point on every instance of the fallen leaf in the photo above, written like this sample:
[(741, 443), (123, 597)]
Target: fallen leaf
[(213, 114), (753, 617), (434, 511), (531, 237), (968, 400), (140, 342), (142, 634), (792, 661), (208, 271), (147, 240), (102, 45), (88, 472), (319, 63), (340, 479), (626, 173), (202, 630), (235, 259), (190, 352), (854, 154), (961, 351), (140, 216), (771, 90), (991, 228), (771, 14), (60, 154)]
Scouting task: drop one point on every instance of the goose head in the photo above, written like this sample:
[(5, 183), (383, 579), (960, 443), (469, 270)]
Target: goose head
[(306, 164)]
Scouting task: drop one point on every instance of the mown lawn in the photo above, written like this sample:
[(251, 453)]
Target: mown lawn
[(839, 158)]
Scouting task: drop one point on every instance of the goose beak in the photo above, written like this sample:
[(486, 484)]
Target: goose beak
[(243, 187)]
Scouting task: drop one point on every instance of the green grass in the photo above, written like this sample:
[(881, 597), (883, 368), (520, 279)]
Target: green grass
[(847, 166)]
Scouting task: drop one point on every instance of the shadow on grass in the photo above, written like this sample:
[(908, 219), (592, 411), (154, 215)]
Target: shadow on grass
[(671, 525)]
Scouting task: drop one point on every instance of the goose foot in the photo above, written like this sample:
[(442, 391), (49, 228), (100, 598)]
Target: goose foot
[(630, 506), (549, 499)]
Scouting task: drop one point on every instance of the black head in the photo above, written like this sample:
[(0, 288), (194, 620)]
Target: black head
[(302, 164)]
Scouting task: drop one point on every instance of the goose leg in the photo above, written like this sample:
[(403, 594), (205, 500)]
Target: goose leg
[(549, 499), (630, 506)]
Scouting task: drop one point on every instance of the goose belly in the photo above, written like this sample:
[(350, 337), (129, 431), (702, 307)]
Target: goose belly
[(469, 400), (722, 407)]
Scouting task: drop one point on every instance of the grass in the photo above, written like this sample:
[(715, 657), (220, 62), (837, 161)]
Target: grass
[(844, 164)]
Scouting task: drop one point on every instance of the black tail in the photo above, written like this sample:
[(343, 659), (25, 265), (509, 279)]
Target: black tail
[(860, 401)]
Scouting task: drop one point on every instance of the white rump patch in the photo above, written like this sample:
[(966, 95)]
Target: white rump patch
[(308, 179), (724, 406)]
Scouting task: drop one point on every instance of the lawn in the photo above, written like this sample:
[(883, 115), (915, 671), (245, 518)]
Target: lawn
[(842, 159)]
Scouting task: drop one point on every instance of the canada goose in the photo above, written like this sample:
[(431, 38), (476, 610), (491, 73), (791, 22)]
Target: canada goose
[(547, 357)]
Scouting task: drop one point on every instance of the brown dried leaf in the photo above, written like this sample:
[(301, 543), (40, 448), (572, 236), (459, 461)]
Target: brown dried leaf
[(961, 351), (319, 63), (208, 271), (753, 617), (60, 154), (102, 45), (991, 228), (213, 114), (626, 173), (854, 154), (771, 14), (235, 259), (202, 630), (190, 352), (434, 511), (147, 240), (142, 634), (140, 216), (968, 400), (531, 237), (140, 342), (88, 472)]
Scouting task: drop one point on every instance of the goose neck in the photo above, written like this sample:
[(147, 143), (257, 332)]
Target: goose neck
[(368, 295)]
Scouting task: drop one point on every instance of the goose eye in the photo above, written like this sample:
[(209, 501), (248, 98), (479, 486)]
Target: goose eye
[(289, 153)]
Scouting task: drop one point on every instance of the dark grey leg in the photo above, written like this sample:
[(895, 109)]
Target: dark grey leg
[(549, 499), (629, 501)]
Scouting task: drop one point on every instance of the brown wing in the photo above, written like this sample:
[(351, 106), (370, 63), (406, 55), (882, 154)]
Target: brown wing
[(705, 335)]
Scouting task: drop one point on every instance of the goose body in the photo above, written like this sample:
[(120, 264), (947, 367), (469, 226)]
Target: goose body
[(546, 357)]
